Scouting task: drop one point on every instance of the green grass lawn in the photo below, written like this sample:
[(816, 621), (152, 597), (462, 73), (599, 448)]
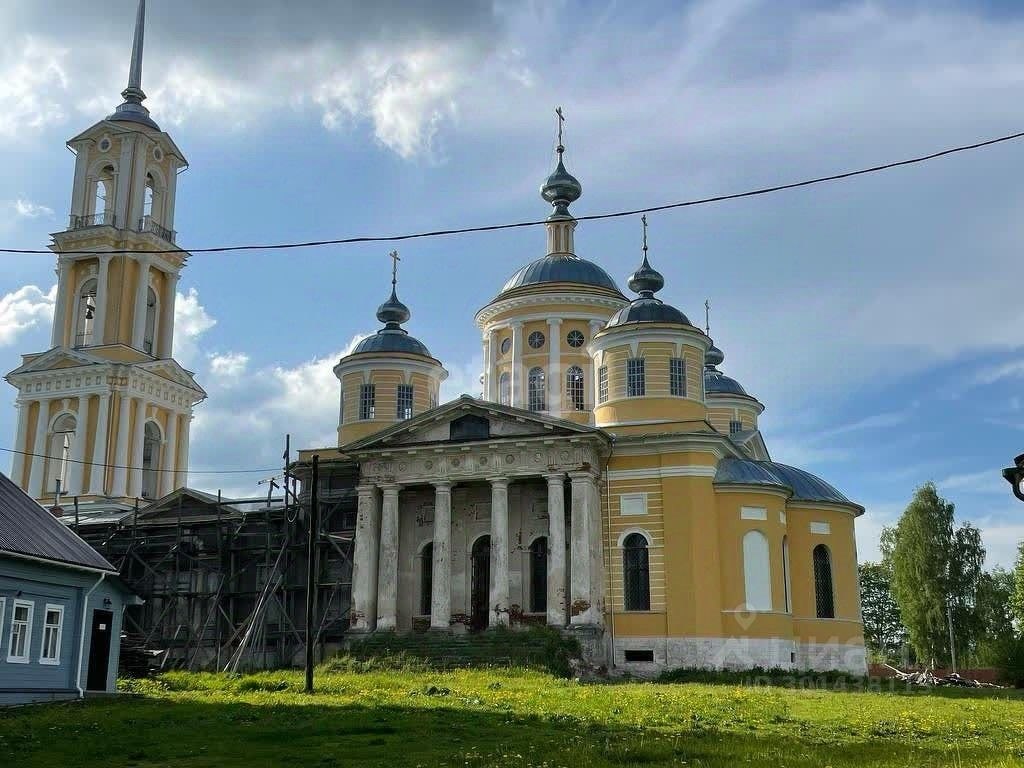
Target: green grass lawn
[(501, 717)]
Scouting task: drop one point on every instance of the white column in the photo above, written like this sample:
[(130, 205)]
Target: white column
[(554, 366), (499, 599), (441, 580), (556, 549), (169, 455), (586, 585), (141, 298), (39, 449), (102, 297), (60, 308), (518, 382), (120, 484), (76, 466), (98, 474), (492, 366), (138, 436), (18, 459), (387, 569), (166, 347), (363, 615)]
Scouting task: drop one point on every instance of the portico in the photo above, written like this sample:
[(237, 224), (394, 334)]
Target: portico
[(475, 515)]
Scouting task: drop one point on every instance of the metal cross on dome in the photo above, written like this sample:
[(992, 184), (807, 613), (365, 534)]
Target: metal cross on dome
[(707, 316), (643, 220), (395, 258), (561, 122)]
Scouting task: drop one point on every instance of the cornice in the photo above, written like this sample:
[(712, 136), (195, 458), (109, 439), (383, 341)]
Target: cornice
[(487, 313)]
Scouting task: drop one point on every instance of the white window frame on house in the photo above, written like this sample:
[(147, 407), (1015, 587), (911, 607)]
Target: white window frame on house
[(602, 384), (367, 402), (677, 377), (404, 398), (49, 629), (636, 377), (27, 625), (3, 610)]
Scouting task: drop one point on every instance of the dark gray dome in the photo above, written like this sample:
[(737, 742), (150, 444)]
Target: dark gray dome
[(560, 268), (648, 310), (714, 356), (392, 340), (393, 312), (561, 186), (716, 382), (802, 484), (133, 112)]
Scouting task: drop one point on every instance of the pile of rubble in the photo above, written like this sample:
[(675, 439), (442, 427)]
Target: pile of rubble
[(928, 679)]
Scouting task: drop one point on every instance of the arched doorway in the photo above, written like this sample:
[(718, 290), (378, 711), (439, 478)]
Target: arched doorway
[(480, 587)]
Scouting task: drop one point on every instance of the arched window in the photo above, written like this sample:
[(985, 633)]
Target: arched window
[(151, 313), (824, 598), (785, 574), (61, 439), (85, 322), (574, 387), (151, 444), (537, 390), (539, 575), (103, 198), (757, 572), (636, 575), (147, 202), (505, 389), (426, 578)]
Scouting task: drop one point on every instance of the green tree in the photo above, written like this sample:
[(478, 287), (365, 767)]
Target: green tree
[(1017, 598), (994, 616), (936, 570), (884, 633)]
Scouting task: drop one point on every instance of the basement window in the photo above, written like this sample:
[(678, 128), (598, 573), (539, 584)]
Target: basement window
[(639, 655)]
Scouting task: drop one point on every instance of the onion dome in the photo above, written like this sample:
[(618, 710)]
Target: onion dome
[(392, 337), (561, 188), (716, 382), (714, 356), (393, 312), (132, 110), (647, 281)]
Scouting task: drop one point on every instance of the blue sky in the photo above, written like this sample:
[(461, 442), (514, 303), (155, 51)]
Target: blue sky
[(879, 320)]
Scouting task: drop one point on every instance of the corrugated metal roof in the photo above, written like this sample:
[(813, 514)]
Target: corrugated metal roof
[(803, 485), (560, 269), (28, 529)]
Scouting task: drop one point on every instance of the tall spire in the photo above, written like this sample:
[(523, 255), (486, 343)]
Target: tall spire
[(132, 109)]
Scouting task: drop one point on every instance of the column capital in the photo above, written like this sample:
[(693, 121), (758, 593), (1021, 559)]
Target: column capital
[(498, 482), (554, 321), (581, 475), (442, 485), (390, 487), (366, 489), (516, 325), (554, 477)]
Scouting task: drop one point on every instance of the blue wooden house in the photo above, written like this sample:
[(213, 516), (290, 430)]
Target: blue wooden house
[(61, 606)]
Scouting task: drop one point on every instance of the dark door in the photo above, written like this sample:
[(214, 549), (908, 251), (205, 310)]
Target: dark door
[(99, 650), (481, 583)]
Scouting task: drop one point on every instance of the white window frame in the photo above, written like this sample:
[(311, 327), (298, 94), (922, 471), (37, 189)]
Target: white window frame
[(405, 396), (3, 609), (11, 659), (367, 402), (55, 661), (677, 376), (636, 377), (602, 384)]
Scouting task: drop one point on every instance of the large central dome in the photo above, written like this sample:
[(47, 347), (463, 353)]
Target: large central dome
[(556, 268)]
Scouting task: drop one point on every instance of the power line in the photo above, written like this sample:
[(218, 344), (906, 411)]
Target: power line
[(144, 469), (539, 222)]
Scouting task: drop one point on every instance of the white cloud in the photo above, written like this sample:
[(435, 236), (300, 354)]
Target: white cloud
[(228, 368), (24, 309), (987, 481), (191, 321), (33, 85), (29, 210)]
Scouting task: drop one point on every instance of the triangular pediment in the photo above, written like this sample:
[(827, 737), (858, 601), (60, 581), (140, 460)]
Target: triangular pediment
[(172, 371), (467, 419), (57, 358), (187, 503)]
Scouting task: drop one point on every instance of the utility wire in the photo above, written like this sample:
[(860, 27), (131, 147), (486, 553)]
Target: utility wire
[(538, 222), (154, 469)]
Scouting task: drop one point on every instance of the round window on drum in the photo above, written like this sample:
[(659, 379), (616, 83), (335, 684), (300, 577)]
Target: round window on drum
[(575, 339), (536, 340)]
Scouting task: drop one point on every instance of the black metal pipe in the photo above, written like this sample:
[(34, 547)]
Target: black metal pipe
[(313, 522)]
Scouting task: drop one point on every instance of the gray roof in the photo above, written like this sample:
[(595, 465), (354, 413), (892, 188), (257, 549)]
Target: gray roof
[(716, 382), (392, 340), (802, 484), (648, 310), (560, 269), (28, 529)]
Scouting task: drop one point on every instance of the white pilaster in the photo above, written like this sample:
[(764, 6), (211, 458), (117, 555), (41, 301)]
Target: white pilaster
[(499, 597), (555, 366), (518, 383), (441, 580), (138, 437), (586, 584), (98, 474), (181, 477), (387, 569), (169, 455), (556, 550), (166, 346), (120, 484), (488, 368), (102, 297), (141, 298), (76, 464), (363, 617), (39, 449), (18, 459), (60, 308)]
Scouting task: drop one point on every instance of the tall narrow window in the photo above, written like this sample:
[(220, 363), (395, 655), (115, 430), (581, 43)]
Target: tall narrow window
[(537, 390), (147, 203), (735, 427), (757, 572), (150, 333), (404, 401), (85, 321), (151, 461), (785, 574), (539, 575), (574, 387), (677, 377), (63, 437), (103, 199), (367, 401), (49, 653), (636, 575), (21, 632), (636, 384), (426, 578), (505, 389), (824, 597), (602, 384)]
